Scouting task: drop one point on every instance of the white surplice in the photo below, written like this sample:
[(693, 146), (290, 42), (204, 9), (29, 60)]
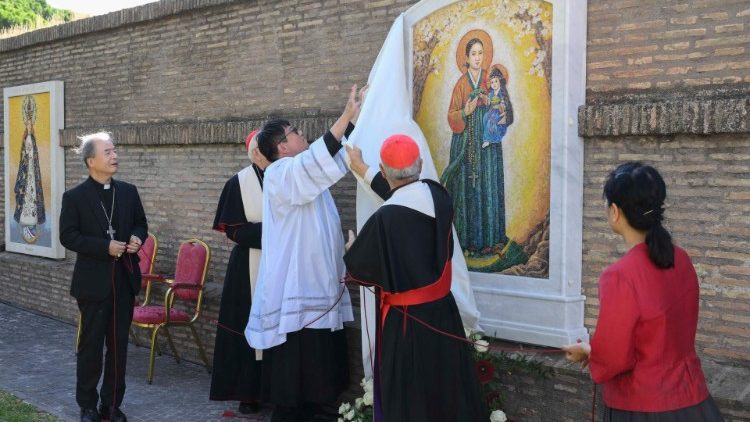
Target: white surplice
[(301, 267)]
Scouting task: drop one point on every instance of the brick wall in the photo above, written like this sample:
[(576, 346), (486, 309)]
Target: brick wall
[(642, 44), (708, 214), (179, 82)]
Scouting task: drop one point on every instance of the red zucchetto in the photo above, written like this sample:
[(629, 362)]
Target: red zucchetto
[(399, 152)]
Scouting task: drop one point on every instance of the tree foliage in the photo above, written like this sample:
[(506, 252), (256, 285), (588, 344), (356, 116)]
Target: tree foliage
[(29, 12)]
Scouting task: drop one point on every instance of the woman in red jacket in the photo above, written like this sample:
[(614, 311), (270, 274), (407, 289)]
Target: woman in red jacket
[(643, 350)]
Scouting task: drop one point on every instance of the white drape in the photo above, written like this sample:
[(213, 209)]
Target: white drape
[(385, 112)]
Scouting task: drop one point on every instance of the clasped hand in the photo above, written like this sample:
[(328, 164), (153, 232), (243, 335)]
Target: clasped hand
[(117, 248)]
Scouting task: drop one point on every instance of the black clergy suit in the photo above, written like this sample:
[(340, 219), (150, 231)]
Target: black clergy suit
[(104, 287)]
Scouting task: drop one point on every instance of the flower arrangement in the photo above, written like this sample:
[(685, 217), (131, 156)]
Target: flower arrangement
[(489, 367), (361, 411)]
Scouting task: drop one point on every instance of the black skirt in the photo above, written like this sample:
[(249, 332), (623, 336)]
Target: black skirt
[(705, 411), (310, 367), (236, 374)]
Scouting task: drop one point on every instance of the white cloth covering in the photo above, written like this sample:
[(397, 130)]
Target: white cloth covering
[(385, 112)]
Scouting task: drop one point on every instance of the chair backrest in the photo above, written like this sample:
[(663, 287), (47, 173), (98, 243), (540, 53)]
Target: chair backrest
[(147, 255), (192, 264)]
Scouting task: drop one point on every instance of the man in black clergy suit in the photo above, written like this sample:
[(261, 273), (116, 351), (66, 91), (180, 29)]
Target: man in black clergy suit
[(102, 220)]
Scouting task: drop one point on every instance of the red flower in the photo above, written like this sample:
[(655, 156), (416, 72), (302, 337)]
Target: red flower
[(491, 397), (485, 371)]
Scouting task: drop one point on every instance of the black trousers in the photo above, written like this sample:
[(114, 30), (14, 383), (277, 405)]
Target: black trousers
[(104, 322)]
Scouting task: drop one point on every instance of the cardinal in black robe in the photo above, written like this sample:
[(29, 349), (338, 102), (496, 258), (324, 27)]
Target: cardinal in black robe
[(424, 370)]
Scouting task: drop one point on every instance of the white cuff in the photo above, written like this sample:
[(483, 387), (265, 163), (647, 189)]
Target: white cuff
[(370, 174)]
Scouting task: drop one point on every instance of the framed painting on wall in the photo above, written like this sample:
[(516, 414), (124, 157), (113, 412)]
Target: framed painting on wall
[(34, 168), (495, 86)]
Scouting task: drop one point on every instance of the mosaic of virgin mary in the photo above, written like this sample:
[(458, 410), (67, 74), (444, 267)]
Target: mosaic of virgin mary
[(29, 211), (481, 85), (474, 175)]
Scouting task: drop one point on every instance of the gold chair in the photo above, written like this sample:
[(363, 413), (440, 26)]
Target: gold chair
[(187, 286), (147, 258)]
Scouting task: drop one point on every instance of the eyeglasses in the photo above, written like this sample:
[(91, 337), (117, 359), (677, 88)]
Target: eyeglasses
[(292, 130)]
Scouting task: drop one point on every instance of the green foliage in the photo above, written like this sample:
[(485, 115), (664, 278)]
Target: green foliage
[(494, 366), (14, 410), (28, 12)]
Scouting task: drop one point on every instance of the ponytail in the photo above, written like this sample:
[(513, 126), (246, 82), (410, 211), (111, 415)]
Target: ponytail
[(639, 191), (660, 248)]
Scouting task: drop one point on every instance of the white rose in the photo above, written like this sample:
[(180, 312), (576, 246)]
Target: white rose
[(344, 408), (498, 416), (366, 385), (482, 346), (358, 402), (367, 398), (350, 416)]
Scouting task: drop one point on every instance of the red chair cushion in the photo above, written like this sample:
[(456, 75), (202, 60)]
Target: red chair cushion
[(155, 315), (191, 260)]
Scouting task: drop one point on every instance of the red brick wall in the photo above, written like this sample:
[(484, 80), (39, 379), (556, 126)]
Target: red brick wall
[(645, 44), (225, 61), (708, 214)]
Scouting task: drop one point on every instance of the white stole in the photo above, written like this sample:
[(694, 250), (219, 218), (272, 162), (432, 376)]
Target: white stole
[(252, 202)]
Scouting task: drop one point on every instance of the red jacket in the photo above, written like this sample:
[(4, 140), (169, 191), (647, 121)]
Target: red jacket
[(643, 350)]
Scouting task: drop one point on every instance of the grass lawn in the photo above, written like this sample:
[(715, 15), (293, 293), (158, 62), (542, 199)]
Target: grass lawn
[(13, 409)]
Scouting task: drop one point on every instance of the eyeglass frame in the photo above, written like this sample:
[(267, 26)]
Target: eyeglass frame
[(284, 138)]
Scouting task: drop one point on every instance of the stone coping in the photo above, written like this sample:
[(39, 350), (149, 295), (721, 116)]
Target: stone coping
[(197, 132), (698, 117), (134, 15)]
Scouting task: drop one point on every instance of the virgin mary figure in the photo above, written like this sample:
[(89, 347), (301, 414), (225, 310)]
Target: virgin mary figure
[(28, 189), (474, 174)]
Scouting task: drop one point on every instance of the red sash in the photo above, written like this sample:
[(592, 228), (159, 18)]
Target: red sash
[(430, 293)]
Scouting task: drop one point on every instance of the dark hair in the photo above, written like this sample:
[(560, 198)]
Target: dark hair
[(496, 73), (639, 191), (471, 44), (269, 136)]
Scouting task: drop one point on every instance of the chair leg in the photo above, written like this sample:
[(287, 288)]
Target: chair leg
[(200, 348), (78, 333), (171, 344), (151, 355)]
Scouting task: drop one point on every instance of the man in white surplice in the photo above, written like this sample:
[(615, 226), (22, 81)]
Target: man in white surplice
[(300, 303)]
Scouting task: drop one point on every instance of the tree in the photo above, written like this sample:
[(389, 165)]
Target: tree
[(29, 12)]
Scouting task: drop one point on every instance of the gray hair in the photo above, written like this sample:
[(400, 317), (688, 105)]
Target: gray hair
[(411, 172), (87, 149)]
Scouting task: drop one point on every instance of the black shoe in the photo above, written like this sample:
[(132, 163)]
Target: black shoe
[(115, 416), (90, 415), (285, 414), (248, 408)]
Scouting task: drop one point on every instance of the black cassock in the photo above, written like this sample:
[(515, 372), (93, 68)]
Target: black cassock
[(424, 375), (236, 373)]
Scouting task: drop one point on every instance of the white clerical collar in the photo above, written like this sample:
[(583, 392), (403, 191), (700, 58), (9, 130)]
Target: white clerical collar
[(416, 196)]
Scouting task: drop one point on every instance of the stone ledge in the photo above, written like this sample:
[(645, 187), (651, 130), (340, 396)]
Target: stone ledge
[(196, 132), (727, 383), (111, 20), (689, 116)]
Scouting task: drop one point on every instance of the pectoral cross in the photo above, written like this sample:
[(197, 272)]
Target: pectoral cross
[(111, 232), (474, 178)]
